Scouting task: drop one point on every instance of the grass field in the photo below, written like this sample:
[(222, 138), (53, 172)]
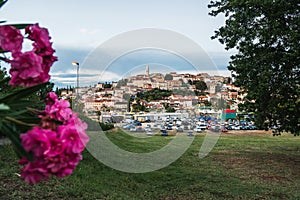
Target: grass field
[(241, 166)]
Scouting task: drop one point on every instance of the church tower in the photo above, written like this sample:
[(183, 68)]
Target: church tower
[(147, 70)]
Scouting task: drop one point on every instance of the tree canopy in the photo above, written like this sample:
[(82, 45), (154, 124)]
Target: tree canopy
[(154, 94), (266, 35), (201, 85), (38, 97), (168, 77)]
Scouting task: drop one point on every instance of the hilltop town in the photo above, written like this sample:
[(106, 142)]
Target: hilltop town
[(186, 93)]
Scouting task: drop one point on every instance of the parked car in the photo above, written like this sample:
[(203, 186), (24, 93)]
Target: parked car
[(190, 133), (139, 129), (128, 126), (244, 127), (133, 129), (252, 127), (202, 126), (198, 129), (149, 132), (179, 129), (164, 133), (216, 128), (137, 123), (147, 129), (162, 127)]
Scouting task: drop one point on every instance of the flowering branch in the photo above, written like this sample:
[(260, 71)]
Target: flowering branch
[(50, 141)]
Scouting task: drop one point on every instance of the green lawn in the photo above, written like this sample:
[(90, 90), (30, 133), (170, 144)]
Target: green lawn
[(252, 166)]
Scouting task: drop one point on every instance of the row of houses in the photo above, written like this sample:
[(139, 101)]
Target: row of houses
[(115, 98)]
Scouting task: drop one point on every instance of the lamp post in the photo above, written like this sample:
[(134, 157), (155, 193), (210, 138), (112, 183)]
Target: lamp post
[(77, 77)]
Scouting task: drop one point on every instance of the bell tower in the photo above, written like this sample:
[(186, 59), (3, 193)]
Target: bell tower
[(147, 70)]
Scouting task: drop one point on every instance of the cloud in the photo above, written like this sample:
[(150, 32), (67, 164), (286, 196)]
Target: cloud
[(92, 71), (86, 77), (88, 31)]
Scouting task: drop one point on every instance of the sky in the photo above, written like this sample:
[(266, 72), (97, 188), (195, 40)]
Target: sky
[(116, 38)]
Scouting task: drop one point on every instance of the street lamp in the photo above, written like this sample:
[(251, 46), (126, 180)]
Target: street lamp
[(77, 81)]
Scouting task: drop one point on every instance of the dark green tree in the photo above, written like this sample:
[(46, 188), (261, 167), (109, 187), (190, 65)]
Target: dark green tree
[(201, 85), (170, 110), (154, 94), (266, 35), (127, 96), (107, 85), (4, 79), (168, 77), (42, 93), (122, 82)]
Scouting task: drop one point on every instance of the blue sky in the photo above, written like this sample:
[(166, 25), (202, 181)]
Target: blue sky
[(78, 28)]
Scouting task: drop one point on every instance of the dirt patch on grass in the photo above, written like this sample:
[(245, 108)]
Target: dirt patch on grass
[(232, 161), (248, 132), (270, 178), (270, 168)]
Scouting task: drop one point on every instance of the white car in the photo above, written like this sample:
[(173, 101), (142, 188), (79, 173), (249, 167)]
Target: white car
[(148, 129), (132, 129), (198, 129), (179, 129), (149, 133), (202, 126), (190, 133)]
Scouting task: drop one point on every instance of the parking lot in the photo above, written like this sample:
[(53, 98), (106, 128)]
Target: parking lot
[(186, 126)]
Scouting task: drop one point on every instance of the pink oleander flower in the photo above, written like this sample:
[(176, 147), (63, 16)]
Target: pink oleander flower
[(41, 38), (76, 121), (72, 161), (11, 39), (26, 69), (79, 126), (51, 98), (56, 145), (55, 164), (38, 141), (34, 172), (59, 110), (63, 164), (74, 139), (42, 45), (51, 157), (48, 61)]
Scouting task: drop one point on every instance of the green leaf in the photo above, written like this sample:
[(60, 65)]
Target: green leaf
[(16, 113), (19, 26), (2, 2), (14, 137), (21, 93), (20, 105), (4, 107)]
